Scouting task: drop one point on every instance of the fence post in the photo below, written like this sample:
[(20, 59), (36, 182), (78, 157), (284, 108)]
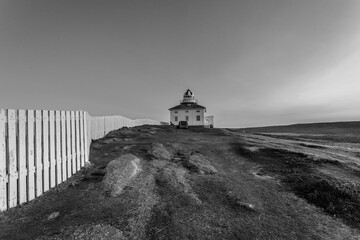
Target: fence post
[(86, 137), (12, 163), (104, 132), (82, 140), (46, 158), (52, 150), (73, 153), (3, 175), (77, 137), (94, 127), (58, 148), (22, 157), (38, 153), (30, 155), (68, 144), (63, 146)]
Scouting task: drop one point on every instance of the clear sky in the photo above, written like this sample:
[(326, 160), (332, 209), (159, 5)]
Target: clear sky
[(250, 62)]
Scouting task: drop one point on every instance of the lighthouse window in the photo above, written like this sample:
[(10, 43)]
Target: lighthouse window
[(198, 118), (176, 119), (175, 111), (186, 111), (198, 111), (187, 118)]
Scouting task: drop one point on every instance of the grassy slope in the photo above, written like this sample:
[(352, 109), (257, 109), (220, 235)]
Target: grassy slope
[(201, 206), (311, 128)]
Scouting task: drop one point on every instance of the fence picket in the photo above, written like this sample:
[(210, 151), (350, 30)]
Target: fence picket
[(38, 153), (22, 157), (52, 149), (82, 140), (93, 124), (3, 175), (77, 138), (94, 129), (112, 123), (58, 148), (73, 153), (63, 146), (30, 155), (12, 167), (46, 163), (68, 144), (86, 138)]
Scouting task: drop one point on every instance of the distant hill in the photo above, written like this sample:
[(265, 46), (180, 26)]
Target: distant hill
[(314, 128)]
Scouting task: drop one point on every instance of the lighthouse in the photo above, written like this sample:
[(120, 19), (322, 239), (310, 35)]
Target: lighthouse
[(188, 110)]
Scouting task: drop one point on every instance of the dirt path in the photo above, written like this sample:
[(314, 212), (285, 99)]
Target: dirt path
[(200, 184)]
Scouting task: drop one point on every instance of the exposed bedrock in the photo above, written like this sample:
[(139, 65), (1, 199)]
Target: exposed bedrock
[(160, 152), (119, 172)]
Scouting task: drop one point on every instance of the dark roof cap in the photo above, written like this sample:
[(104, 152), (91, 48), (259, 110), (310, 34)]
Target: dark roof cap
[(187, 106)]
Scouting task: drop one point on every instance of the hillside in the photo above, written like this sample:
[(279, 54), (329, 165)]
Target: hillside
[(159, 182), (312, 128)]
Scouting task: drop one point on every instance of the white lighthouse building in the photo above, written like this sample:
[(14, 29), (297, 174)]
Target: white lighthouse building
[(189, 111)]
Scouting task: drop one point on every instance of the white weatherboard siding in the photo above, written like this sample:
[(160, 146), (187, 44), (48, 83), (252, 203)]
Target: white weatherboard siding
[(191, 113)]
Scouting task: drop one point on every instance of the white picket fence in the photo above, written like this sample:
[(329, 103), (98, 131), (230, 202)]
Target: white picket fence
[(40, 149), (102, 125)]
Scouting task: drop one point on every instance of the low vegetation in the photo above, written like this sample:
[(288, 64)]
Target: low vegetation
[(337, 197), (201, 184)]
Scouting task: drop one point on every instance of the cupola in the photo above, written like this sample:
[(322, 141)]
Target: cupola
[(189, 97)]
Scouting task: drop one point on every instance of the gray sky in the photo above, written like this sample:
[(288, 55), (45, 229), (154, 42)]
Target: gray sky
[(250, 62)]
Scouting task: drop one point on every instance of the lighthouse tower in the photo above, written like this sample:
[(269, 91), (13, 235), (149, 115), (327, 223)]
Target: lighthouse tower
[(188, 110)]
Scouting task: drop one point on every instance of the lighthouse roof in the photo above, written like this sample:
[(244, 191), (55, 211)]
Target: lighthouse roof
[(187, 106)]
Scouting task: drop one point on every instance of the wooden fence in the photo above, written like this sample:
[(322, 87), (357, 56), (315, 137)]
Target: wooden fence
[(40, 149), (101, 125)]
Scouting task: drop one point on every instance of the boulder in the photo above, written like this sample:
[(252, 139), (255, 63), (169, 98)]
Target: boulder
[(247, 206), (119, 172), (160, 152), (53, 215), (198, 163), (237, 203)]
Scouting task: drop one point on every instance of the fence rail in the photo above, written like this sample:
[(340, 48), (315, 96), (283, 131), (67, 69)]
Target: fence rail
[(40, 149)]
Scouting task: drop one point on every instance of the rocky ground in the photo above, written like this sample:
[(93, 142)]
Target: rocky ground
[(158, 182)]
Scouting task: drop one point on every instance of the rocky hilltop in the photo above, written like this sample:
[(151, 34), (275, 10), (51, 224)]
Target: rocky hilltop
[(159, 182)]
